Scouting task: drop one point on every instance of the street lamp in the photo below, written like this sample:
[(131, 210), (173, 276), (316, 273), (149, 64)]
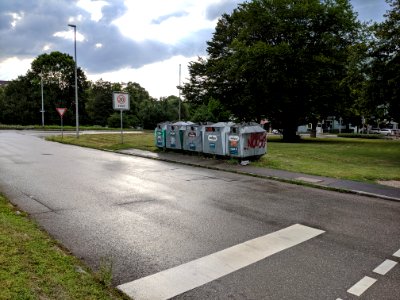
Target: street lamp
[(41, 89), (179, 92), (76, 84)]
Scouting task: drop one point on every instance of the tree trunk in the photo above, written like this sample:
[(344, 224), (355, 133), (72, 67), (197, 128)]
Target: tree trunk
[(313, 133), (290, 134)]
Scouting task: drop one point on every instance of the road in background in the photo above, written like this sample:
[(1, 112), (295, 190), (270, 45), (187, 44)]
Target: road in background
[(147, 216)]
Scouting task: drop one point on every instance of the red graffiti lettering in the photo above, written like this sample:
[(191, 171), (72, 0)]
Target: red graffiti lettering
[(257, 140)]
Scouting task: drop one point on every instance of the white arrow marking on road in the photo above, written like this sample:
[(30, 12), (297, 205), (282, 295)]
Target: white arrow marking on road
[(175, 281)]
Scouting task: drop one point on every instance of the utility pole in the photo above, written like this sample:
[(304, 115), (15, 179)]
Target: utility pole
[(179, 92), (41, 88), (76, 85)]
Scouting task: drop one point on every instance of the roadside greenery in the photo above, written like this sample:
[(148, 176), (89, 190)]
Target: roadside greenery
[(291, 62), (111, 141), (361, 136), (57, 127), (34, 266), (356, 159)]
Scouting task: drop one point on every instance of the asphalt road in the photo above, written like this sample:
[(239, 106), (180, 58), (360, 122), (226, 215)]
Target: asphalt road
[(147, 216)]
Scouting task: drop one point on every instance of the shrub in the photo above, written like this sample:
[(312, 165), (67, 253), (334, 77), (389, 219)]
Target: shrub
[(361, 136)]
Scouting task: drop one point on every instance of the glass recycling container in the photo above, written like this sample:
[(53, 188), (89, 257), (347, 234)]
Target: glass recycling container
[(246, 140)]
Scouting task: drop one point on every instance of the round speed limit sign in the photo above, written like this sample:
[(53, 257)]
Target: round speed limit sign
[(120, 101)]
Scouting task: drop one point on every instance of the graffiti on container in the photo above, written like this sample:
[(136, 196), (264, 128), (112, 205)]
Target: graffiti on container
[(257, 140)]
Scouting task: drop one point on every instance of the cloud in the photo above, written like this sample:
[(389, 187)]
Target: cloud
[(37, 21), (214, 11), (42, 27), (115, 35), (161, 19)]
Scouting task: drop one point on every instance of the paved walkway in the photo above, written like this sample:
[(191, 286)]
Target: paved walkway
[(361, 188)]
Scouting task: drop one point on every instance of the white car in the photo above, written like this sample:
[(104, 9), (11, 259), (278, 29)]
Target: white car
[(275, 131), (374, 130), (385, 131)]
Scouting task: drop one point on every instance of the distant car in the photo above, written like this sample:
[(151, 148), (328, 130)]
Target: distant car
[(275, 131), (375, 130), (385, 131)]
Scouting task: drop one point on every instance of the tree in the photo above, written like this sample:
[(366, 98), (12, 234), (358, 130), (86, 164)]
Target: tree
[(99, 101), (383, 87), (58, 72), (21, 102), (282, 59), (213, 111)]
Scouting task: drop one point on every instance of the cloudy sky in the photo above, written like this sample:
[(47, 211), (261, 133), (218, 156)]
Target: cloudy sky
[(143, 41)]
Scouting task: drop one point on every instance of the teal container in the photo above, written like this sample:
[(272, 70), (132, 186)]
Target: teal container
[(160, 135)]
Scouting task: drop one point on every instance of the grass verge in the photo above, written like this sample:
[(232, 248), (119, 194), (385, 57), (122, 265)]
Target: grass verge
[(112, 141), (355, 159), (57, 127), (34, 266)]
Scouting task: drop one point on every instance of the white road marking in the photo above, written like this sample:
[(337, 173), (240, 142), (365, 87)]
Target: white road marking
[(361, 286), (172, 282), (397, 253), (385, 267)]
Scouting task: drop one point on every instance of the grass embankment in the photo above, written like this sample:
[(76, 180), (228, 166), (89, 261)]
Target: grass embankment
[(111, 141), (33, 266), (356, 159), (56, 127)]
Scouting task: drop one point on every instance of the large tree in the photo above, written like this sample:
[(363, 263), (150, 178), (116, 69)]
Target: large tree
[(281, 59), (58, 73), (99, 101), (22, 96), (383, 87)]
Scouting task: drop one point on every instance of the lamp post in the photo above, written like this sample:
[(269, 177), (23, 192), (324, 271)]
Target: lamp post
[(179, 92), (41, 89), (76, 84)]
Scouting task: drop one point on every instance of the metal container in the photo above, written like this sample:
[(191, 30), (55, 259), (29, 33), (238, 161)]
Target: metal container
[(246, 140), (160, 134), (214, 138), (174, 135), (193, 138)]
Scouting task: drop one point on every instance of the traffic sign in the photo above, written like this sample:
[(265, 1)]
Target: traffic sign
[(61, 111), (120, 101)]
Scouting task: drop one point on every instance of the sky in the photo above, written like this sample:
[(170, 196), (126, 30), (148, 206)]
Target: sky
[(142, 41)]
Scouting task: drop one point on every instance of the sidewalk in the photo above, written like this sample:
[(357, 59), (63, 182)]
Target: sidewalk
[(356, 187)]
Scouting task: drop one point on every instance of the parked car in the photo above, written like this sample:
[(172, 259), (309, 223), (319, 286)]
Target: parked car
[(374, 130), (275, 131), (385, 131)]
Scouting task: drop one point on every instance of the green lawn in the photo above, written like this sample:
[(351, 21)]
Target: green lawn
[(109, 141), (33, 266), (357, 159)]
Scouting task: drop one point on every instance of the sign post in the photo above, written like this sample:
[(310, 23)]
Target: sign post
[(61, 111), (121, 103)]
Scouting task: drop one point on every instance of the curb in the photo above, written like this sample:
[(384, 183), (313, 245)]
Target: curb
[(275, 178)]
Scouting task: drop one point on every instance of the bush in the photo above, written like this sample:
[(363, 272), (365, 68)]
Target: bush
[(361, 136), (114, 121)]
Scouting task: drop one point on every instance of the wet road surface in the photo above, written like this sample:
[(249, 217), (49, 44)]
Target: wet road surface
[(148, 216)]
